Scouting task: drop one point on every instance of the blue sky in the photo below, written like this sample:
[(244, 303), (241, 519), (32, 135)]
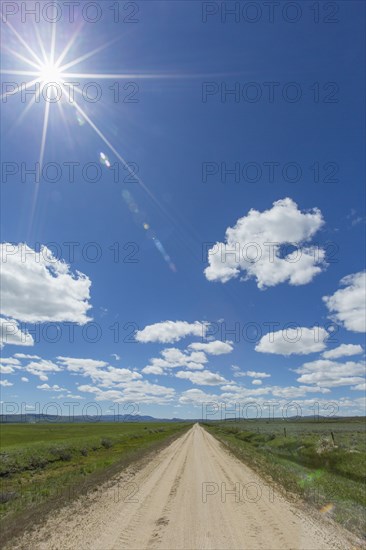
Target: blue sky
[(160, 238)]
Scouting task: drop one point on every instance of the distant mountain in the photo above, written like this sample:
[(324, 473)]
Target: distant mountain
[(32, 418), (35, 418)]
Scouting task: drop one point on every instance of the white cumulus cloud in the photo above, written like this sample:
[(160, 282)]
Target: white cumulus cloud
[(174, 358), (213, 348), (348, 305), (250, 373), (197, 397), (12, 333), (47, 387), (134, 392), (202, 378), (255, 247), (298, 341), (360, 387), (25, 356), (99, 371), (168, 332), (5, 383), (6, 369), (37, 287), (344, 350), (41, 368), (327, 373)]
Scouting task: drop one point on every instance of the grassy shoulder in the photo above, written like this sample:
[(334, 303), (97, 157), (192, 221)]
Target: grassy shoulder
[(323, 463), (44, 465)]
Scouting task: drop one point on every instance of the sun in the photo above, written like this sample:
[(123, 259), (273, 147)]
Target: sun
[(50, 73), (46, 76)]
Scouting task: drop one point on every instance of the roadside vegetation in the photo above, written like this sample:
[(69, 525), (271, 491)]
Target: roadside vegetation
[(322, 461), (44, 465)]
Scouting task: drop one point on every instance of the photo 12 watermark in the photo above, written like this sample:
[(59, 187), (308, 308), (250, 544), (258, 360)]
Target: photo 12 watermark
[(68, 409), (71, 171), (270, 171), (269, 92), (71, 11), (249, 12), (53, 86), (269, 252), (266, 410)]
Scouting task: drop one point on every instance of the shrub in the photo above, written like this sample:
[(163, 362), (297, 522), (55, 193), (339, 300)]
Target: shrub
[(232, 430), (7, 496), (65, 454), (61, 453), (36, 461)]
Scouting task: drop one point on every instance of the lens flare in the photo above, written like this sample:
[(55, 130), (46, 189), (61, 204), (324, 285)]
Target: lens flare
[(103, 159), (327, 508), (140, 219)]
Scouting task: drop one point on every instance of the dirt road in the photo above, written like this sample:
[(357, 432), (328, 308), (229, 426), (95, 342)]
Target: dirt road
[(192, 495)]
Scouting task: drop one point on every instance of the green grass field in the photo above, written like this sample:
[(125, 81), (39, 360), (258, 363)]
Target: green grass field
[(324, 462), (44, 464)]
